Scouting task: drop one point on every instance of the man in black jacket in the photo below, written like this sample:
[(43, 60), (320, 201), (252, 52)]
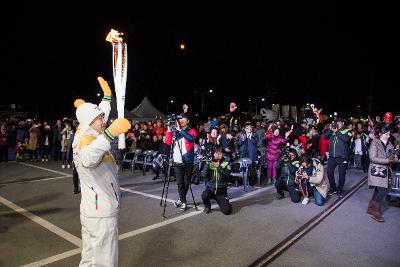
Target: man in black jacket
[(287, 167), (215, 175), (339, 153)]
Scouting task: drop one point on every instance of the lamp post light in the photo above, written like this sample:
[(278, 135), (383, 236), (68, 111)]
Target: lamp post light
[(262, 100), (171, 101), (210, 91)]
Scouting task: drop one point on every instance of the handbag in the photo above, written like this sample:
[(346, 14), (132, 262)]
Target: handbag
[(379, 171)]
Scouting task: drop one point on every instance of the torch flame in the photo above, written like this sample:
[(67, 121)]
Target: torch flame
[(114, 36)]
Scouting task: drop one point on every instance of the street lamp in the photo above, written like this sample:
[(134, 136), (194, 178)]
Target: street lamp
[(202, 98), (171, 101), (262, 100)]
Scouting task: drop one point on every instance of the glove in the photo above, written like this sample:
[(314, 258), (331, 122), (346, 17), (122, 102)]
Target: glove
[(106, 89), (119, 126)]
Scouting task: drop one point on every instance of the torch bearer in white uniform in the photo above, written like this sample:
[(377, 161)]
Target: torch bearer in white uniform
[(120, 68)]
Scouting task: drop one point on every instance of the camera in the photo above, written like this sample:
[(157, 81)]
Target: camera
[(172, 120), (299, 174), (285, 153)]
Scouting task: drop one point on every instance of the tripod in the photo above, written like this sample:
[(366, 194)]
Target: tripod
[(168, 178)]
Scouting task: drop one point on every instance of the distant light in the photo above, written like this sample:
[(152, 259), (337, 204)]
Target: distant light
[(182, 46), (249, 100), (262, 99), (330, 116), (98, 94), (211, 91), (172, 101)]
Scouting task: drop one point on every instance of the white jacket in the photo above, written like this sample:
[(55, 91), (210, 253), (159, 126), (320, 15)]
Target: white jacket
[(97, 171), (98, 176)]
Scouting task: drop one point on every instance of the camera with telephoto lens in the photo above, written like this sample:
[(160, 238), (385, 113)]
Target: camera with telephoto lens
[(285, 152), (299, 174), (172, 120)]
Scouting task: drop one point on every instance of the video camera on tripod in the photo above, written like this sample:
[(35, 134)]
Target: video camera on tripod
[(172, 120)]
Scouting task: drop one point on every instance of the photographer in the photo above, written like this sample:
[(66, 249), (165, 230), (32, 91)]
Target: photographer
[(183, 155), (287, 167), (311, 177), (216, 175), (339, 153)]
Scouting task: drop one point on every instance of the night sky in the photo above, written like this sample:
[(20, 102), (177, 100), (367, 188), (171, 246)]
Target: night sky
[(331, 54)]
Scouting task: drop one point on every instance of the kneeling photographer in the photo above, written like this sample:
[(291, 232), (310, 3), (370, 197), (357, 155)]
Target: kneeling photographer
[(311, 180), (216, 175), (287, 166), (181, 137)]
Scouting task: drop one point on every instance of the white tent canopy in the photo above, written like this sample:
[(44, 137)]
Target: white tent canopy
[(146, 111)]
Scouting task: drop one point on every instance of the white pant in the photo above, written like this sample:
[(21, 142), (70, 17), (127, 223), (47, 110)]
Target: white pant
[(100, 241)]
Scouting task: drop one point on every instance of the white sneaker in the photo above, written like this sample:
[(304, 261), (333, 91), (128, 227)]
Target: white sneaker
[(178, 203), (305, 201), (63, 166), (42, 159), (69, 166), (183, 207), (47, 159)]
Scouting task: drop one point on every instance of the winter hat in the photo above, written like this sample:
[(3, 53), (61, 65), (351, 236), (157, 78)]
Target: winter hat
[(86, 112)]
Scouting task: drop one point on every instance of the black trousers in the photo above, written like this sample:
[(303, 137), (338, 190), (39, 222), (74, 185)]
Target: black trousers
[(332, 163), (183, 174), (221, 198), (75, 178), (293, 190), (4, 153), (365, 161)]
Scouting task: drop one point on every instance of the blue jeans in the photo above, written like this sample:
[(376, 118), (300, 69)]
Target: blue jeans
[(319, 199)]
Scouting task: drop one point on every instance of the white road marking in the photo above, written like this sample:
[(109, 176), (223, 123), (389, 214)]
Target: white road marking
[(48, 179), (78, 242), (184, 216), (144, 194), (42, 222), (55, 258), (42, 168)]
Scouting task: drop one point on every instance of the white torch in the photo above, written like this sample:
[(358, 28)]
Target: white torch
[(120, 68)]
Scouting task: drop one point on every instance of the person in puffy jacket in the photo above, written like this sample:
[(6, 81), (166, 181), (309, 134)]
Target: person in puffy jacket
[(181, 141), (273, 152)]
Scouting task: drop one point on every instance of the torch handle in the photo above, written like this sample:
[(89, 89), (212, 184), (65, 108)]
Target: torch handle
[(121, 141)]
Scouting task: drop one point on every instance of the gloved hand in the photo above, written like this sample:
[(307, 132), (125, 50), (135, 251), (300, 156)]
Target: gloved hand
[(119, 126), (106, 89)]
